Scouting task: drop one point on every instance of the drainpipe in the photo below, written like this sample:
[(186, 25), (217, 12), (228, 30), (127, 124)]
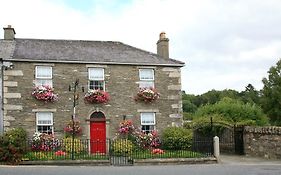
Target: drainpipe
[(1, 98)]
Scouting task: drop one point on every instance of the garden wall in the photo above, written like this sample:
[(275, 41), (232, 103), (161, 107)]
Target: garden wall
[(263, 142)]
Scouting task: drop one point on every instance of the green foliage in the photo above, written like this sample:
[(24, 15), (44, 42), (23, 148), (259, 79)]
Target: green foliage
[(250, 95), (122, 146), (187, 116), (13, 146), (188, 106), (17, 136), (37, 155), (234, 111), (176, 138), (78, 146), (271, 94)]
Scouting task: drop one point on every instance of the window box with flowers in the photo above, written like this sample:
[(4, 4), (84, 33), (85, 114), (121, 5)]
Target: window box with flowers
[(147, 95), (44, 93), (96, 96)]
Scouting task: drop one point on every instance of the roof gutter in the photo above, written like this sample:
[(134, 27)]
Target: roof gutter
[(92, 62)]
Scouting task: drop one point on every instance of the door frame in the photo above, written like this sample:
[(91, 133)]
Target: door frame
[(98, 119)]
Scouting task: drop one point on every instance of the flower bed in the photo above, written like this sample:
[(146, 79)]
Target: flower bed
[(147, 95), (96, 96), (44, 93)]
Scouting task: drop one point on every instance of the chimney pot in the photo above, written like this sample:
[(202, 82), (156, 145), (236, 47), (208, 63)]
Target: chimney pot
[(9, 33), (162, 35), (163, 46)]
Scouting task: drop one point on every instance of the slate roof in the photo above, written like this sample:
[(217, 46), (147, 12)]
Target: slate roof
[(79, 51)]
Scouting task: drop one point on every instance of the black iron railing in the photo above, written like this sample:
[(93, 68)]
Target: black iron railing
[(85, 149)]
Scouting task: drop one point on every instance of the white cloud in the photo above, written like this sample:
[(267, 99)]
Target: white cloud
[(225, 44)]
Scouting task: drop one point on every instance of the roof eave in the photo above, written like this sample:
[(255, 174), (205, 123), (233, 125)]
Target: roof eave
[(93, 62)]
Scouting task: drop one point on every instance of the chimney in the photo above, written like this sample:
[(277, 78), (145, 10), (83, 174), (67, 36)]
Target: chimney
[(9, 33), (163, 46)]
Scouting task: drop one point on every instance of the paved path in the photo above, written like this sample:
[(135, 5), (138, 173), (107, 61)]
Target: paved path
[(238, 160)]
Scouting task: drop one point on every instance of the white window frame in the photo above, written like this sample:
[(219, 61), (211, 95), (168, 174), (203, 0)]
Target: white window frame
[(151, 126), (153, 113), (91, 69), (48, 80), (47, 124), (144, 81)]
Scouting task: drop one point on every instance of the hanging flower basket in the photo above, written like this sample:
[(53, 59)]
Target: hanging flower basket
[(73, 128), (96, 96), (126, 127), (44, 93), (147, 95)]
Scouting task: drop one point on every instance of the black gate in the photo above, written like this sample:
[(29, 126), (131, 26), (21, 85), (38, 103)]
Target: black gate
[(230, 137), (120, 152), (238, 139)]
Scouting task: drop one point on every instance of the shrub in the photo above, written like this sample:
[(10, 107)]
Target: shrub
[(78, 146), (122, 146), (12, 146), (176, 138), (44, 142), (147, 140)]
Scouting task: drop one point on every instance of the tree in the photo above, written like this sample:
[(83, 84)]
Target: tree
[(271, 94), (233, 111), (250, 95)]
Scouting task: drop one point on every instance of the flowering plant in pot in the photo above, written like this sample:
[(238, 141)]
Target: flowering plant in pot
[(44, 93), (96, 96), (147, 95)]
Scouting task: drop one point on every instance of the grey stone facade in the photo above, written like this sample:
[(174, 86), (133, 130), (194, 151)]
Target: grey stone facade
[(121, 83), (263, 142), (70, 60)]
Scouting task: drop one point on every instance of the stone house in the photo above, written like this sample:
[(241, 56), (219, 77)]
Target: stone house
[(114, 67)]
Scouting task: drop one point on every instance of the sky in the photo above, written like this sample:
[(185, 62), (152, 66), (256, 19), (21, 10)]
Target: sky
[(225, 44)]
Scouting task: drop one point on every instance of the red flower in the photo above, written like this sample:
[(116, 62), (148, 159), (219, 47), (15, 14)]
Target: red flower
[(60, 153), (157, 151)]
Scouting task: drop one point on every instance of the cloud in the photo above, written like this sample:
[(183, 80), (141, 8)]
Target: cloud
[(225, 44)]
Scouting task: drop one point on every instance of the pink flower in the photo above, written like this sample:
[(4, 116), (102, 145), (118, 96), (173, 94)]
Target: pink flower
[(44, 93), (96, 96), (147, 95)]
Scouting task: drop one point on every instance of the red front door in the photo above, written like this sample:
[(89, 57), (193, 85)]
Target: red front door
[(98, 137)]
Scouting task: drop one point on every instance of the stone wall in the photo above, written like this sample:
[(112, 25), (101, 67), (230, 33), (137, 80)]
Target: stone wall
[(263, 142), (121, 83)]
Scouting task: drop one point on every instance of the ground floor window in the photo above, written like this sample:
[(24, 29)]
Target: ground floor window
[(44, 122), (148, 121)]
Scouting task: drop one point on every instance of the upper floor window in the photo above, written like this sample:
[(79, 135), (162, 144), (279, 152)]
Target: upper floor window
[(146, 78), (96, 78), (148, 121), (44, 122), (43, 75)]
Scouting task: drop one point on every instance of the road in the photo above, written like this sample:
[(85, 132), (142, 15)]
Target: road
[(211, 169), (229, 165)]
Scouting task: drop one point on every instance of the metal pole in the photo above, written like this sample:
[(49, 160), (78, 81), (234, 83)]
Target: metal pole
[(74, 116), (212, 127)]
